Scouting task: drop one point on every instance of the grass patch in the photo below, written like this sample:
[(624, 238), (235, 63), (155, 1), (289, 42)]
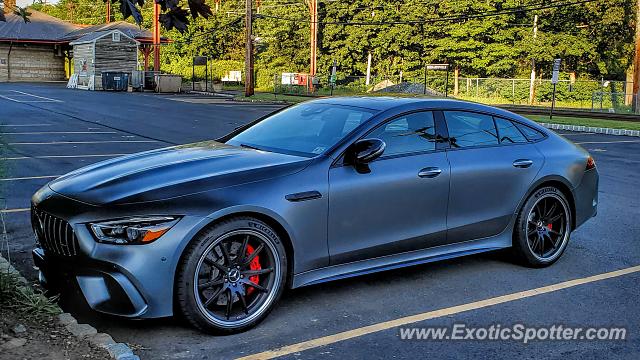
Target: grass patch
[(269, 97), (24, 300), (586, 121)]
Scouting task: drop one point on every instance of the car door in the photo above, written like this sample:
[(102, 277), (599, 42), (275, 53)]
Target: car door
[(491, 170), (400, 205)]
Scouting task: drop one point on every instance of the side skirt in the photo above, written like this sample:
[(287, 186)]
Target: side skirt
[(395, 261)]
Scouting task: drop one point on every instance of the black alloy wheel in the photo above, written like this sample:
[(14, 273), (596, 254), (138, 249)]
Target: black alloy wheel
[(543, 227), (237, 275)]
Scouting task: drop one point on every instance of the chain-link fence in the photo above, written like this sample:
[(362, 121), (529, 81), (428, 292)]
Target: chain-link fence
[(610, 96)]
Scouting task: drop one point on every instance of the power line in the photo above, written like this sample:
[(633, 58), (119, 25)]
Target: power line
[(441, 19)]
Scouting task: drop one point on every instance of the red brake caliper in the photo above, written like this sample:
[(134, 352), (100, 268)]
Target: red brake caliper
[(254, 265), (549, 226)]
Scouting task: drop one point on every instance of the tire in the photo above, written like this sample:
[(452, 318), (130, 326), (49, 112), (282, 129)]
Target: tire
[(221, 292), (542, 228)]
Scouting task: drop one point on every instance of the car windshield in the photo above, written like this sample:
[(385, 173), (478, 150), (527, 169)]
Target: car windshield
[(306, 129)]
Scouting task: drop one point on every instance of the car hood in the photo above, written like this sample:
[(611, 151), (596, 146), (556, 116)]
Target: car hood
[(172, 172)]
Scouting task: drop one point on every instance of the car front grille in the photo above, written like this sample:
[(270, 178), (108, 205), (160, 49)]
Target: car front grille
[(54, 234)]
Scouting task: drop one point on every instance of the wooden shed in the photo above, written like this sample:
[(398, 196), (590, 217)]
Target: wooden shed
[(101, 51)]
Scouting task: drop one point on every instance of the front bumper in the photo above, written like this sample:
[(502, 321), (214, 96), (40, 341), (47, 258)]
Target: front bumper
[(135, 281), (105, 288)]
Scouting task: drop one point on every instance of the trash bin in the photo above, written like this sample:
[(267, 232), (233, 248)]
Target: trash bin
[(115, 80), (137, 80)]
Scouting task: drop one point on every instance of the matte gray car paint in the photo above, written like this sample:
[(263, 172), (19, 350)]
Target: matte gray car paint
[(207, 181)]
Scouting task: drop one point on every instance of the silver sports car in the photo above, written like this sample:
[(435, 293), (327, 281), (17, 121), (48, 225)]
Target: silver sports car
[(319, 191)]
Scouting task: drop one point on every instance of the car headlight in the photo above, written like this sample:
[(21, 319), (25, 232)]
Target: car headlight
[(135, 230)]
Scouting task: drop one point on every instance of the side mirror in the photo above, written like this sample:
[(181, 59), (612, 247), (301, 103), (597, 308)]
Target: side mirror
[(362, 152)]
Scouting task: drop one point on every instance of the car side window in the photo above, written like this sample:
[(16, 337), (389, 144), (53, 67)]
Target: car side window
[(508, 132), (467, 129), (530, 133), (409, 133)]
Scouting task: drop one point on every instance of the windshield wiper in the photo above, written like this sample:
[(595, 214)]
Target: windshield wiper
[(249, 147)]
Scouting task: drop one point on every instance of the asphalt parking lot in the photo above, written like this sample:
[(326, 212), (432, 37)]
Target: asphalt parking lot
[(47, 130)]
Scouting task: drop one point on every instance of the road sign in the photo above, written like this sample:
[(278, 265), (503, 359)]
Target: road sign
[(199, 60), (332, 80), (554, 81), (556, 71), (437, 66)]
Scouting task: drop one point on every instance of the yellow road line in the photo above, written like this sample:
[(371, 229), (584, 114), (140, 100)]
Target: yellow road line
[(31, 178), (386, 325), (9, 211)]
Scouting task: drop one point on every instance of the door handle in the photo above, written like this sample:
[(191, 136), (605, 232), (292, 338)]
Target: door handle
[(522, 163), (429, 172)]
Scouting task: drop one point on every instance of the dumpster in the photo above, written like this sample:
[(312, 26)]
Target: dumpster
[(115, 80), (150, 79)]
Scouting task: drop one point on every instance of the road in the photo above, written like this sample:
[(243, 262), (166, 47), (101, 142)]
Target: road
[(48, 130)]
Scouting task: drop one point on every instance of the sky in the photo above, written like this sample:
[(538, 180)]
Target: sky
[(28, 2)]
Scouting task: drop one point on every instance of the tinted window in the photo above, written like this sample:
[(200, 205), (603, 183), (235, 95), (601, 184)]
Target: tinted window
[(305, 129), (530, 133), (469, 129), (508, 132), (409, 133)]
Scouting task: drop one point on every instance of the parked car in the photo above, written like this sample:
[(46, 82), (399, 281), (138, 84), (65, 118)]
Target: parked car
[(320, 191)]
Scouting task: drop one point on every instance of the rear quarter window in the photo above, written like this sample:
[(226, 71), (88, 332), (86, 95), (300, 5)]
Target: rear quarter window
[(531, 133)]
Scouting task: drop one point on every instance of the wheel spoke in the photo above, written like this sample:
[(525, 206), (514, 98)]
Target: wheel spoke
[(554, 243), (541, 245), (555, 218), (243, 249), (216, 264), (257, 272), (534, 243), (229, 304), (244, 303), (253, 255), (225, 254), (554, 232), (532, 231), (257, 287), (213, 297), (551, 210), (209, 284)]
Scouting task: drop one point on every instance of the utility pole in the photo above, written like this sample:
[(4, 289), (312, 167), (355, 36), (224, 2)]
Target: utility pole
[(108, 11), (313, 36), (533, 63), (368, 80), (636, 62), (248, 58), (156, 37)]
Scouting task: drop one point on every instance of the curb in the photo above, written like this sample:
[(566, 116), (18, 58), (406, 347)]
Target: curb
[(117, 351), (591, 129)]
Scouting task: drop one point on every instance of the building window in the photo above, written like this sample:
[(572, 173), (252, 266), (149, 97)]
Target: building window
[(115, 37)]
